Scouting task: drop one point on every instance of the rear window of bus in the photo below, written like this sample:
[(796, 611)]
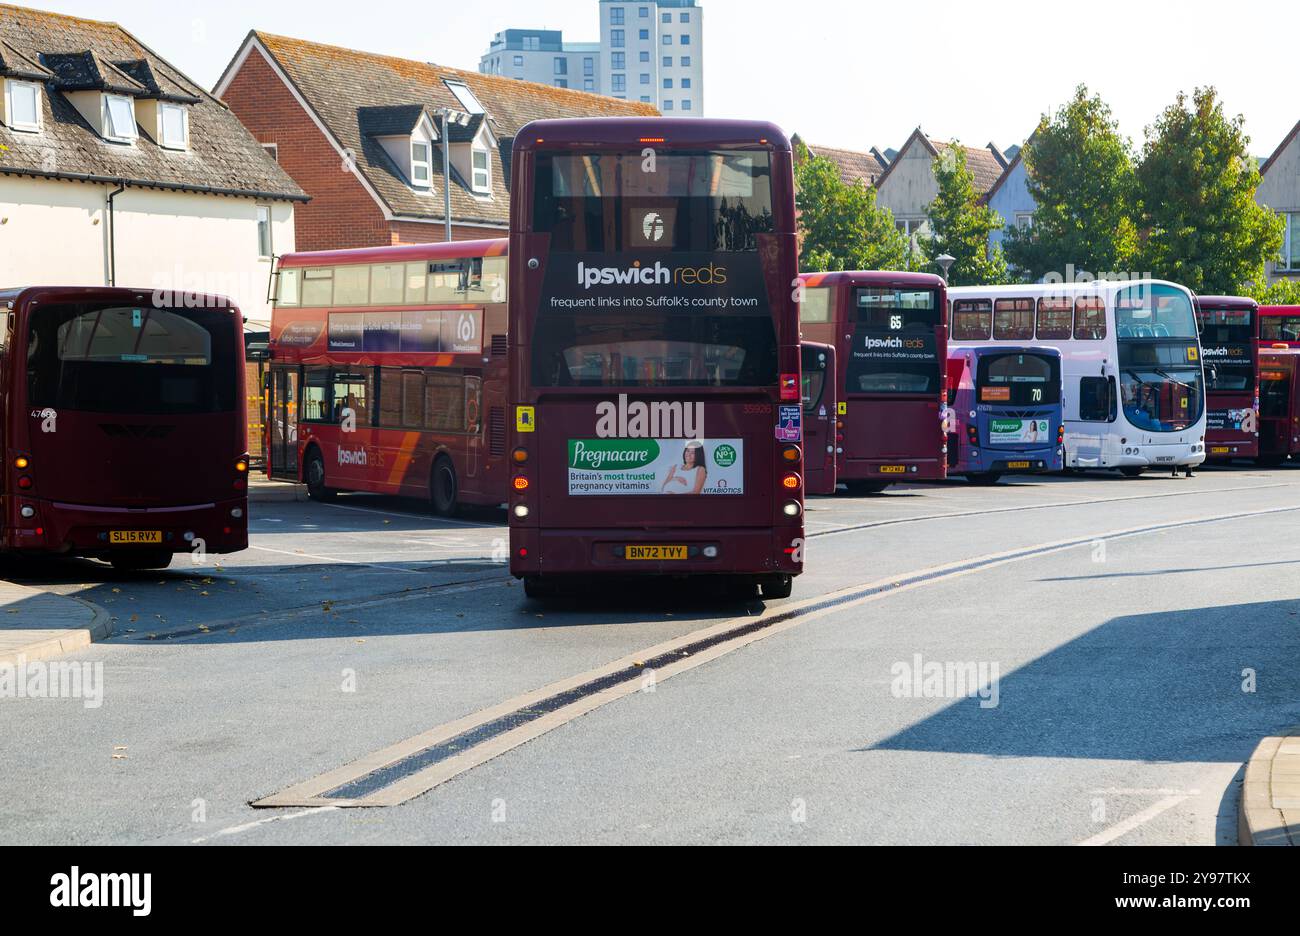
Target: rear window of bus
[(1019, 378), (96, 357), (686, 201)]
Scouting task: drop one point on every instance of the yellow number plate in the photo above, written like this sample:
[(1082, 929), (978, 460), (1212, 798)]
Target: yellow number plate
[(655, 552), (1219, 450), (1017, 464), (130, 537), (893, 469)]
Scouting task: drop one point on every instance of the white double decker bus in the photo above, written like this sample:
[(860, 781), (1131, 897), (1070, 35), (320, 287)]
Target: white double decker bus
[(1131, 364)]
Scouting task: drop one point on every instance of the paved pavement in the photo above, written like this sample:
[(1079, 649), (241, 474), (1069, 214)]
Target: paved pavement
[(1141, 636), (36, 625)]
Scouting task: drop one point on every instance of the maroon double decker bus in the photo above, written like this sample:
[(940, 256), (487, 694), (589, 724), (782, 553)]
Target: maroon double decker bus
[(891, 337), (124, 424), (655, 414), (1229, 327)]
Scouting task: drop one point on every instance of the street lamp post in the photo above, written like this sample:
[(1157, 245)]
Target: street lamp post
[(448, 116), (945, 261)]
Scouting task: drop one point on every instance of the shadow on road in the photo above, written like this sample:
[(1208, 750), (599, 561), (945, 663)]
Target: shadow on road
[(1150, 687)]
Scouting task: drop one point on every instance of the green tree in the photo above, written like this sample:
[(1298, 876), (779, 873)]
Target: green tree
[(841, 226), (1080, 173), (960, 225), (1283, 292), (1196, 184)]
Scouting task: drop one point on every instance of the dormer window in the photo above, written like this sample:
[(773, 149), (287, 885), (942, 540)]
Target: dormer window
[(22, 105), (482, 171), (173, 126), (421, 167), (119, 118)]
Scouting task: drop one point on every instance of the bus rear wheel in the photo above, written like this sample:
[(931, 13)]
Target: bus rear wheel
[(1132, 471), (778, 585), (859, 488), (444, 487), (137, 561), (314, 471)]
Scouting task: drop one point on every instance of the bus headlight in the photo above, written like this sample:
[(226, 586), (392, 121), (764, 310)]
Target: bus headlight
[(236, 512), (710, 552), (28, 511), (521, 511), (792, 509)]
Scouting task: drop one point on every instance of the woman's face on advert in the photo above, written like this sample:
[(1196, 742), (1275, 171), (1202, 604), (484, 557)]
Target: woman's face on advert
[(689, 456)]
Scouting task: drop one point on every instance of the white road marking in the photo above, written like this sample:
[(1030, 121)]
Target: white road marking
[(303, 555), (411, 516), (1137, 819), (235, 830)]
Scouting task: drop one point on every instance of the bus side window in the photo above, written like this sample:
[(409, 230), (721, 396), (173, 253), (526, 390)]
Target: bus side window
[(315, 395), (1097, 399)]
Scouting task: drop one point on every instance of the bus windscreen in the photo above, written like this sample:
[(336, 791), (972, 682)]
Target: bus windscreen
[(119, 359)]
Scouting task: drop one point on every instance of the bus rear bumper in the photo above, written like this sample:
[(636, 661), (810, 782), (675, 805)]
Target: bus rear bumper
[(708, 552), (893, 471), (81, 530)]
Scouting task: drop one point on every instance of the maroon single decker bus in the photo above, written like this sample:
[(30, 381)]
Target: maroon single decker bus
[(890, 333), (655, 416), (1229, 327), (124, 424), (388, 372)]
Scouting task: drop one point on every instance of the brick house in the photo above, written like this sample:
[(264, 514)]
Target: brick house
[(362, 134)]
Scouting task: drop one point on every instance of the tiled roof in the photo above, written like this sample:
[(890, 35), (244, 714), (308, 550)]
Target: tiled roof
[(852, 164), (340, 84), (77, 54), (983, 163)]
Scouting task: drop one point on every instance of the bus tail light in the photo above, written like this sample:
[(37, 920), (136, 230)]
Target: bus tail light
[(791, 509), (791, 454), (521, 483), (520, 455), (790, 481), (21, 462), (27, 511), (973, 435), (521, 511), (241, 465), (25, 482)]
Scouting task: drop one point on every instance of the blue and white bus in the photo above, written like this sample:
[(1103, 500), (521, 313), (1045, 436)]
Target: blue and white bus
[(1130, 363), (1005, 412)]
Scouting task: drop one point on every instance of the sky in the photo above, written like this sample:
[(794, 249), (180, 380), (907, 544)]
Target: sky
[(845, 74)]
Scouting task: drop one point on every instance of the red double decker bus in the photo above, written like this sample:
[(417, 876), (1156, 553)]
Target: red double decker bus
[(1229, 327), (1279, 405), (387, 374), (890, 333), (124, 424), (1279, 325), (655, 404)]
